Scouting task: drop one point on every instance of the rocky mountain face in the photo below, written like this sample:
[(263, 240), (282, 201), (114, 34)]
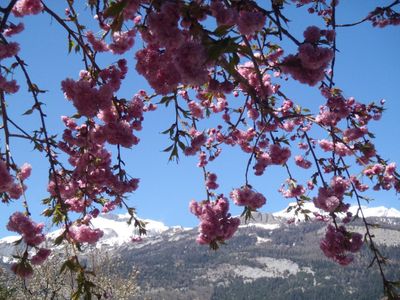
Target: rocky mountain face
[(267, 259)]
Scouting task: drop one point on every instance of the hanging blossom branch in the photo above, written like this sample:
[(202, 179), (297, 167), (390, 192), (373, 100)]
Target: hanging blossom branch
[(377, 257), (199, 69), (380, 17), (31, 232)]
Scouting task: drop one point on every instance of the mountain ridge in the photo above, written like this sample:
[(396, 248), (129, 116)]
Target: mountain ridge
[(267, 256), (117, 231)]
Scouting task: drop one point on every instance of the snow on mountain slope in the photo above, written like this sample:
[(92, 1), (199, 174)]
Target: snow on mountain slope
[(291, 214), (7, 248), (117, 231), (262, 226), (115, 228), (379, 212)]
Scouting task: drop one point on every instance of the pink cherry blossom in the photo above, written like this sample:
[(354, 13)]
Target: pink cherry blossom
[(97, 44), (122, 41), (10, 87), (6, 179), (216, 224), (14, 29), (22, 269), (25, 171), (312, 34), (85, 234), (41, 255), (8, 50), (27, 7), (302, 162), (30, 231), (326, 200), (223, 15), (211, 182), (247, 197), (338, 242), (250, 21)]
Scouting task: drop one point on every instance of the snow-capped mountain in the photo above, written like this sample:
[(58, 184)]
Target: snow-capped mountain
[(267, 256), (369, 212), (379, 211), (118, 232), (115, 227)]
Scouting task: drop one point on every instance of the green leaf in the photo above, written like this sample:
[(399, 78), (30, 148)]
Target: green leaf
[(220, 47), (70, 44), (60, 239), (117, 24), (48, 212), (168, 148), (235, 59), (181, 145), (114, 9), (174, 153), (71, 265), (395, 283), (17, 242), (131, 211), (165, 99), (29, 111), (214, 245), (169, 129), (222, 30), (76, 295), (46, 200), (77, 48), (102, 200)]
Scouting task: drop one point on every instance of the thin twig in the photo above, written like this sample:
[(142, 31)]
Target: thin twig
[(6, 12)]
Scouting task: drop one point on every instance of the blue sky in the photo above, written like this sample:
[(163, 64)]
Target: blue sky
[(367, 68)]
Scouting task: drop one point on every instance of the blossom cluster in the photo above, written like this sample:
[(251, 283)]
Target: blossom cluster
[(8, 50), (24, 269), (293, 190), (27, 7), (94, 182), (10, 87), (8, 184), (216, 223), (122, 41), (275, 155), (248, 20), (330, 198), (245, 196), (385, 174), (30, 231), (40, 257), (264, 88), (339, 243), (211, 182), (32, 236), (382, 17), (198, 139), (172, 54), (93, 171), (85, 234), (309, 64), (86, 97)]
